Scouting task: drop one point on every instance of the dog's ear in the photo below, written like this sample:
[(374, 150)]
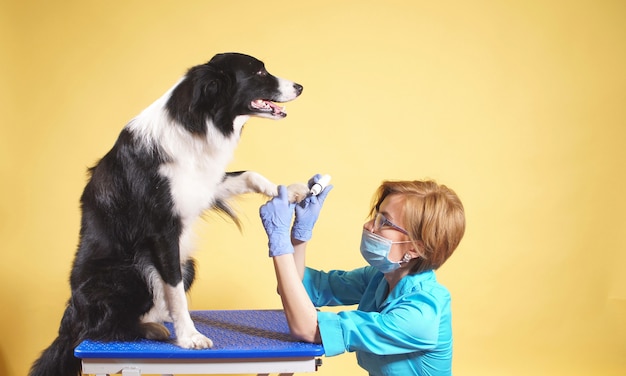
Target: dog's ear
[(198, 96), (210, 84)]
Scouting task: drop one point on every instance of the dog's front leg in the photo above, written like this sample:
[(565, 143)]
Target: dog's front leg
[(187, 335), (240, 182), (167, 262)]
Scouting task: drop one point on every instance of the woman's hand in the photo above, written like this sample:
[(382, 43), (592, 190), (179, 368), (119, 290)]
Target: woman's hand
[(307, 212), (276, 215)]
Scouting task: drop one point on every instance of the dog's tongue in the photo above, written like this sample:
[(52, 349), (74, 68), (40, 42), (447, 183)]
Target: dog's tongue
[(276, 108), (266, 105)]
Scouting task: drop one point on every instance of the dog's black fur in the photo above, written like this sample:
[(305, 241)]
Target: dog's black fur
[(133, 263)]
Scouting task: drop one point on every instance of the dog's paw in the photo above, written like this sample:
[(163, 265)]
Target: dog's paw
[(297, 192), (195, 341)]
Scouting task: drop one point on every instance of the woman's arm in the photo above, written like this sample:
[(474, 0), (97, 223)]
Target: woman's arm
[(300, 312), (307, 212), (288, 254), (299, 255)]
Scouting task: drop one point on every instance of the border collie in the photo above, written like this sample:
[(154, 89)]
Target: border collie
[(133, 265)]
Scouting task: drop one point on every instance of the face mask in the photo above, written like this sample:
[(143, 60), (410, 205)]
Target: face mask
[(375, 250)]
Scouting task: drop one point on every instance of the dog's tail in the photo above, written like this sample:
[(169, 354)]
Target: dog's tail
[(58, 359)]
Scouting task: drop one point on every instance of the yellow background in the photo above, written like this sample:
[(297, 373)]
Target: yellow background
[(520, 106)]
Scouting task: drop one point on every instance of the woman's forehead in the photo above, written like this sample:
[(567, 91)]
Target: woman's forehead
[(392, 206)]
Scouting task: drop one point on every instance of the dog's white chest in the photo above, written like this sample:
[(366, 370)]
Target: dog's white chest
[(192, 185)]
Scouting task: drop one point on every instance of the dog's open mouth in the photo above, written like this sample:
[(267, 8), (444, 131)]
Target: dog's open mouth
[(267, 107)]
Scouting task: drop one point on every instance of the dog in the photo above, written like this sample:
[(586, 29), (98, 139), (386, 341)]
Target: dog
[(133, 264)]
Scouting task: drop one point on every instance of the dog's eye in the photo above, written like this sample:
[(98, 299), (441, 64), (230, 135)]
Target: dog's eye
[(262, 73)]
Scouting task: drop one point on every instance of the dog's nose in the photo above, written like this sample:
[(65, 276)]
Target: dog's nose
[(298, 88)]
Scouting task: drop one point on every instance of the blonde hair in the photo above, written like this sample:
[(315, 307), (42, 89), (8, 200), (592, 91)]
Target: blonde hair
[(433, 216)]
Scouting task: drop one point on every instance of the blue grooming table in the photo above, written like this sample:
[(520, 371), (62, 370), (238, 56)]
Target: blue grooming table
[(248, 341)]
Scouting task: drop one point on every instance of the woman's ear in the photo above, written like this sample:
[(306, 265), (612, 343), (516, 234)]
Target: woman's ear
[(416, 249)]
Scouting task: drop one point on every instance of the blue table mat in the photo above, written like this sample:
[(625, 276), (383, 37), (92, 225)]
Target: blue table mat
[(240, 334)]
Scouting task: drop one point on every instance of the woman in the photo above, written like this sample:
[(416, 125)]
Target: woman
[(402, 325)]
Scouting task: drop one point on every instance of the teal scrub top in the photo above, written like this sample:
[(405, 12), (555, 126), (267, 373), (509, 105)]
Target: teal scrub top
[(405, 332)]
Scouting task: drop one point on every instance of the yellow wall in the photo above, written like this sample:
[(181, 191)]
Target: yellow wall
[(519, 106)]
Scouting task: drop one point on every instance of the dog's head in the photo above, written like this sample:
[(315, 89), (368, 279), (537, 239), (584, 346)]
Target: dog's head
[(230, 85)]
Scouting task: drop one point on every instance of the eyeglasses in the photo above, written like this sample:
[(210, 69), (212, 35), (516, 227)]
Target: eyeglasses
[(380, 222)]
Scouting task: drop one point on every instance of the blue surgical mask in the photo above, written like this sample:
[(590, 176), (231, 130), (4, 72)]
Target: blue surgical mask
[(375, 250)]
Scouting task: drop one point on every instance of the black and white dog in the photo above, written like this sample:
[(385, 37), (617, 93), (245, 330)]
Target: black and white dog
[(133, 264)]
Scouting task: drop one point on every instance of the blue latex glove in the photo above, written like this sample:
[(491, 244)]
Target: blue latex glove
[(307, 212), (276, 215)]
